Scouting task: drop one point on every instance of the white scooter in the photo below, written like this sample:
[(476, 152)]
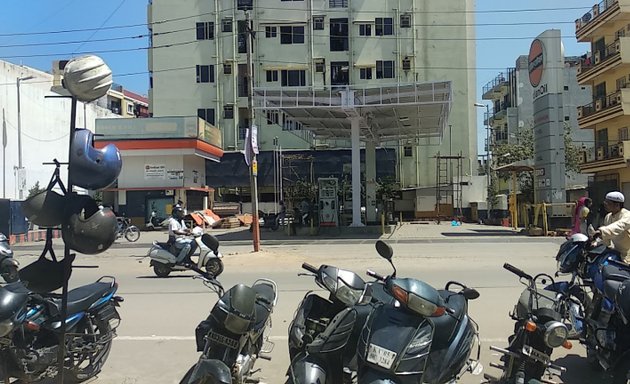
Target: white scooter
[(208, 256)]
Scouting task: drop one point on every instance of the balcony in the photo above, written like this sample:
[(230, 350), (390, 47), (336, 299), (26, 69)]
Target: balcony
[(604, 108), (601, 13), (498, 86), (611, 58), (605, 158)]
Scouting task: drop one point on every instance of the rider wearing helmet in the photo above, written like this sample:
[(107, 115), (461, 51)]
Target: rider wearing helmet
[(180, 246), (616, 229)]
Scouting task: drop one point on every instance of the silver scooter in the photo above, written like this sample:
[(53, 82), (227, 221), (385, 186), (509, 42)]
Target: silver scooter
[(8, 265), (208, 256)]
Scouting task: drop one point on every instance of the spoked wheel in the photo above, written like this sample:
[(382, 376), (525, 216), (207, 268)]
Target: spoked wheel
[(161, 270), (214, 266), (87, 350), (132, 234)]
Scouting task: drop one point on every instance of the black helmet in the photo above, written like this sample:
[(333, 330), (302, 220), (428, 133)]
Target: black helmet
[(45, 209), (568, 256), (622, 299), (88, 229), (177, 212), (91, 168)]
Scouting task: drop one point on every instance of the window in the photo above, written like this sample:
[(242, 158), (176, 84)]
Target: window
[(228, 111), (566, 87), (620, 83), (623, 134), (384, 26), (365, 29), (408, 151), (272, 76), (291, 35), (365, 73), (244, 5), (129, 108), (620, 33), (242, 132), (406, 64), (405, 21), (318, 23), (319, 66), (385, 69), (227, 68), (273, 117), (293, 78), (271, 32), (205, 73), (339, 35), (289, 125), (242, 36), (338, 3), (226, 25), (207, 114), (567, 118), (205, 30)]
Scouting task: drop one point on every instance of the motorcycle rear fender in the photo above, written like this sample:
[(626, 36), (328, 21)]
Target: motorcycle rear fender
[(207, 368), (306, 370)]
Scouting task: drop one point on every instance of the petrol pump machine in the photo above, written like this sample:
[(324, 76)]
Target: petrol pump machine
[(328, 202)]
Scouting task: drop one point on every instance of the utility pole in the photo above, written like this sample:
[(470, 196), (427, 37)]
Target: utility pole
[(250, 113)]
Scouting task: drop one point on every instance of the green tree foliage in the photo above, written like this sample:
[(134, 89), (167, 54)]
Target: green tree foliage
[(34, 190)]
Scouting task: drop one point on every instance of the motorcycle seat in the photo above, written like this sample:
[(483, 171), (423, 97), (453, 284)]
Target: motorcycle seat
[(610, 288), (262, 314), (81, 298), (265, 292), (446, 325), (164, 246), (615, 272)]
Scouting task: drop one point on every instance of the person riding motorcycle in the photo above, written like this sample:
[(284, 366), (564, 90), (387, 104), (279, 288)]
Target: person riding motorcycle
[(616, 229), (180, 246)]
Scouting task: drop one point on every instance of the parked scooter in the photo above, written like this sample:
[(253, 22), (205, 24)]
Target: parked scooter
[(538, 330), (208, 258), (155, 222), (424, 336), (233, 337), (8, 265)]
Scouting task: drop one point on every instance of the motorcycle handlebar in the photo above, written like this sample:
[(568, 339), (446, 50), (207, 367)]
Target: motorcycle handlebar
[(309, 268), (375, 275), (516, 271)]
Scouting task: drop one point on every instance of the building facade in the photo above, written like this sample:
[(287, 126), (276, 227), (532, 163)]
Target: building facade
[(198, 67), (606, 68)]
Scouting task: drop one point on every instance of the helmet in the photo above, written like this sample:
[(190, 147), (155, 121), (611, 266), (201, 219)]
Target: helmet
[(45, 209), (569, 253), (177, 212), (88, 228), (87, 78), (622, 299), (91, 168)]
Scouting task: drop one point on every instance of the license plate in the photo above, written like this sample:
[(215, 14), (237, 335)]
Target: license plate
[(381, 356), (224, 340), (536, 355)]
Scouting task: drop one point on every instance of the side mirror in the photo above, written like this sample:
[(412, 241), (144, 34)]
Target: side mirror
[(385, 250), (470, 293), (210, 242)]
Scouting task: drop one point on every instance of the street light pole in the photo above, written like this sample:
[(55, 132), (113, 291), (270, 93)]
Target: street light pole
[(488, 178), (19, 137)]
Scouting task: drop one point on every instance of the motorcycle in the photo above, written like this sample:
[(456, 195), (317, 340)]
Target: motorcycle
[(127, 230), (8, 265), (423, 336), (30, 331), (232, 337), (209, 257), (538, 330)]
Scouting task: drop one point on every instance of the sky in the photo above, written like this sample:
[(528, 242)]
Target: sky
[(36, 32)]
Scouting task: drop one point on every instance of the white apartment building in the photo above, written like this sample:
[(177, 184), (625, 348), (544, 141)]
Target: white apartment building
[(198, 66)]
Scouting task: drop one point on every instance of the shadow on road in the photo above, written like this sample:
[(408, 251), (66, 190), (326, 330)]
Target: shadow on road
[(579, 371), (483, 232)]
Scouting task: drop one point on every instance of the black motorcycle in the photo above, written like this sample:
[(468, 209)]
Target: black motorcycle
[(423, 336), (30, 331), (232, 336), (8, 265), (538, 329)]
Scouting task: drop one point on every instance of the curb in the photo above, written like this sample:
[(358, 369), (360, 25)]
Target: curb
[(33, 236)]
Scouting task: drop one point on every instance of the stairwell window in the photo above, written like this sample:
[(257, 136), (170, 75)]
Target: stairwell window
[(228, 111), (205, 73), (385, 69), (271, 32), (365, 73), (408, 151), (226, 25), (318, 23), (272, 76), (384, 26), (207, 114), (405, 21), (365, 29), (293, 78), (273, 117), (205, 30), (227, 68), (292, 35)]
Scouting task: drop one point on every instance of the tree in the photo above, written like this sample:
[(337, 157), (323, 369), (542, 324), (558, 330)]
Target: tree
[(34, 190)]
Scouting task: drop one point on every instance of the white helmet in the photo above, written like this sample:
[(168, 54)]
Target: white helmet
[(87, 78)]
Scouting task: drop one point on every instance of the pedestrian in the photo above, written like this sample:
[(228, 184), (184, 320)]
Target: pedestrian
[(582, 210), (283, 213), (616, 229)]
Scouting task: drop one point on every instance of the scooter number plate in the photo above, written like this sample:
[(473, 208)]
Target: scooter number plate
[(224, 340), (381, 356)]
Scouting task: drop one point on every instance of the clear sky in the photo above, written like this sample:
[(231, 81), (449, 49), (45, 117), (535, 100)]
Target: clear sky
[(123, 46)]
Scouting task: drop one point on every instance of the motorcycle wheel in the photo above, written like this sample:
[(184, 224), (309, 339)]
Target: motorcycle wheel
[(85, 364), (214, 266), (10, 274), (132, 234), (186, 379), (161, 270)]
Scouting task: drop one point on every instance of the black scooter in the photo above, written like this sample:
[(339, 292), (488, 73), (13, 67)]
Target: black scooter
[(8, 265), (424, 336)]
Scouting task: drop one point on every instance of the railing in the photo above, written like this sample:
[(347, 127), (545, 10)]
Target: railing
[(500, 79), (594, 13), (589, 62), (601, 104)]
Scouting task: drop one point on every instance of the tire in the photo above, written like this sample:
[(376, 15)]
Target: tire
[(161, 270), (132, 234), (10, 274), (214, 266), (79, 373)]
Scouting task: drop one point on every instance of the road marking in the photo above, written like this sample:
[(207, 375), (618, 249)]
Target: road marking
[(272, 338)]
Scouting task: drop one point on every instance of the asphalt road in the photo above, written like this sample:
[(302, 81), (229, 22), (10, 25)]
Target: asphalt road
[(155, 342)]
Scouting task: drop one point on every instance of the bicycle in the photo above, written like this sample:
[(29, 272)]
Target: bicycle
[(130, 232)]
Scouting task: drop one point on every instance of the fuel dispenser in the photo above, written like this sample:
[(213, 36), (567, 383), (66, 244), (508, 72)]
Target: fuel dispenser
[(328, 202)]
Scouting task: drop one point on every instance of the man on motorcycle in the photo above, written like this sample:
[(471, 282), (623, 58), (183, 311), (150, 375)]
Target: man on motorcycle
[(616, 229), (180, 246)]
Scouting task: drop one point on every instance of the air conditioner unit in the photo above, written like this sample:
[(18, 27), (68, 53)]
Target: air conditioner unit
[(582, 157), (579, 112), (618, 98), (614, 151), (598, 105), (600, 153), (589, 155), (617, 46), (597, 57), (578, 24), (620, 149)]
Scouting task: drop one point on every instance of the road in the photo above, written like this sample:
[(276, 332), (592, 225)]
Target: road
[(155, 342)]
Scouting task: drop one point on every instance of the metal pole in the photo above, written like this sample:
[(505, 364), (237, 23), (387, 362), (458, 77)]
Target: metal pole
[(19, 140), (275, 175), (250, 113), (488, 177), (4, 156)]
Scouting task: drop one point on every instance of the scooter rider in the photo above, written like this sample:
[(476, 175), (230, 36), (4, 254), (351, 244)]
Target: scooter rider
[(180, 246), (616, 228)]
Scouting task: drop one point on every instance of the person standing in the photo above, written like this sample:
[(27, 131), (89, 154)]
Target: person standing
[(616, 229), (582, 210)]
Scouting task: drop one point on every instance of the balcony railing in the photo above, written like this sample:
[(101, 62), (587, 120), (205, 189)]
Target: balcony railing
[(593, 14), (601, 104), (500, 79), (600, 57)]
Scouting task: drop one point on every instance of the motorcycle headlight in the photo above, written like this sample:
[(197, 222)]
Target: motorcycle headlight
[(6, 326), (347, 295), (555, 334)]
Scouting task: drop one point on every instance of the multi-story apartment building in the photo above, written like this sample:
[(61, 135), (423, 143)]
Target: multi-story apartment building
[(198, 65), (126, 103), (512, 98), (606, 68)]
